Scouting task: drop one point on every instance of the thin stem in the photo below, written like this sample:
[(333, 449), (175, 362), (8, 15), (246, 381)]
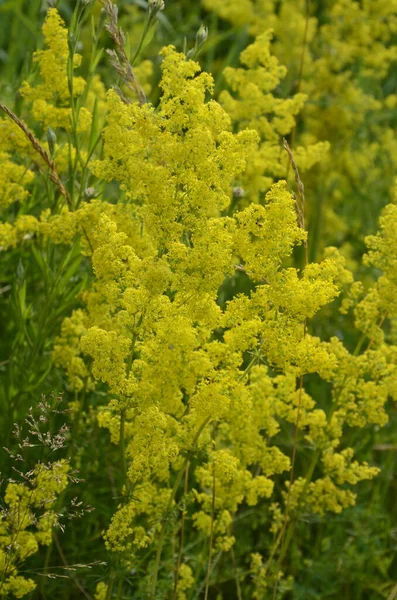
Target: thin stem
[(243, 270), (153, 582), (286, 540), (211, 540), (45, 568), (300, 206), (120, 589), (109, 591), (122, 446), (382, 320), (300, 209), (119, 58), (53, 175), (284, 537), (300, 73), (180, 549), (144, 34), (236, 575), (65, 563)]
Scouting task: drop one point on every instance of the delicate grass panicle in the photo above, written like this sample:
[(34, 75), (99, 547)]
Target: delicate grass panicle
[(166, 260), (30, 508)]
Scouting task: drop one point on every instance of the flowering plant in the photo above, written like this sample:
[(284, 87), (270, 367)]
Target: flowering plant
[(217, 357)]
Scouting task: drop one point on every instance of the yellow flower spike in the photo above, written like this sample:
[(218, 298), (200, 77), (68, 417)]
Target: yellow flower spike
[(51, 99)]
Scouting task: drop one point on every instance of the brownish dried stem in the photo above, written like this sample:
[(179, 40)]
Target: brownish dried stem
[(244, 270), (300, 210), (380, 324), (53, 175), (300, 206), (118, 57)]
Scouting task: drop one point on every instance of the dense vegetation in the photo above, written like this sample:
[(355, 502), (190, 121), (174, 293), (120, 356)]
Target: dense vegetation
[(198, 284)]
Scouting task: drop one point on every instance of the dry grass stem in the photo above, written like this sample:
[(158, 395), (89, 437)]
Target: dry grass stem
[(118, 57), (300, 206), (53, 175)]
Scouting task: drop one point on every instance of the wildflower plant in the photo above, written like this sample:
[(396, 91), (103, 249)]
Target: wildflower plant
[(29, 500), (220, 363), (340, 57)]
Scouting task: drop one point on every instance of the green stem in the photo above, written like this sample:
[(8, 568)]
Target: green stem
[(236, 574), (211, 540), (179, 561), (145, 31), (308, 477), (109, 591), (153, 582), (122, 447)]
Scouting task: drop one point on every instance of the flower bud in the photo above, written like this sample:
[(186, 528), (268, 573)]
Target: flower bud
[(238, 192), (51, 139), (89, 193), (201, 35), (155, 6)]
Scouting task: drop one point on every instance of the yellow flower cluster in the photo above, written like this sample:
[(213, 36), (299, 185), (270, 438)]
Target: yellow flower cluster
[(340, 64), (150, 318), (51, 99), (13, 181), (379, 303), (28, 506), (253, 104), (201, 379)]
